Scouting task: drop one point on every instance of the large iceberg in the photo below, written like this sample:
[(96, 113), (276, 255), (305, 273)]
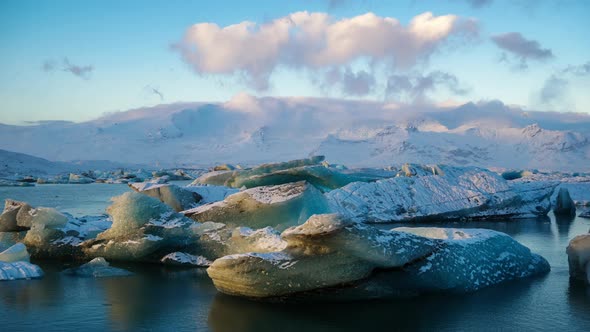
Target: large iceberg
[(442, 192), (277, 206), (329, 252), (14, 264)]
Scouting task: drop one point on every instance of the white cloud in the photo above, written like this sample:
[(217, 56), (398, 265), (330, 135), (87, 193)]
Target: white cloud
[(315, 42)]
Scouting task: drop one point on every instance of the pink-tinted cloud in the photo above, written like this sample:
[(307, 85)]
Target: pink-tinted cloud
[(316, 42)]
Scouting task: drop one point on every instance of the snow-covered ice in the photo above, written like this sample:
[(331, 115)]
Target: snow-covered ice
[(444, 192), (329, 251), (277, 206)]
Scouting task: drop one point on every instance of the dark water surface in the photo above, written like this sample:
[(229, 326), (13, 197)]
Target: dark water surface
[(164, 299)]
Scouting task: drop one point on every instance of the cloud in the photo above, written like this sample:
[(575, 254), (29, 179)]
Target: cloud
[(579, 70), (521, 48), (417, 87), (350, 83), (555, 87), (316, 42), (478, 3), (79, 71)]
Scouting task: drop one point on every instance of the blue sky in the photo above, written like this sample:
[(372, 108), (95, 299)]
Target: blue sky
[(119, 56)]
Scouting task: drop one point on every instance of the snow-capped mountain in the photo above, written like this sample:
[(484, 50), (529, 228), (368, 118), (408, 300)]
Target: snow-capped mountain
[(357, 133)]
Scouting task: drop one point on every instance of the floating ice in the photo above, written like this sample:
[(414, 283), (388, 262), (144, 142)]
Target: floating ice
[(14, 264), (446, 193), (97, 268), (19, 270), (564, 205), (329, 252), (322, 176), (325, 251)]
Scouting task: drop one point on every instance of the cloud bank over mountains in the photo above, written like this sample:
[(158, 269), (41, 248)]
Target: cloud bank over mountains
[(252, 130)]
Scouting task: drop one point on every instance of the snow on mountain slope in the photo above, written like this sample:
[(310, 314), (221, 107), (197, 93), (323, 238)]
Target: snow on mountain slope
[(357, 133), (14, 163)]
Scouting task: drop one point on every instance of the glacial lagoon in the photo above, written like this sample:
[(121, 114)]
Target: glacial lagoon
[(164, 298)]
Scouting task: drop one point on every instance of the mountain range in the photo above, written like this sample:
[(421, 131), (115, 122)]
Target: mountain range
[(251, 130)]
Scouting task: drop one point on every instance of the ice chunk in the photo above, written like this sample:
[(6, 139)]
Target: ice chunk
[(97, 268), (48, 217), (322, 176), (142, 226), (210, 193), (79, 179), (448, 193), (329, 252), (181, 258), (278, 206), (8, 218), (130, 211), (14, 264), (470, 259), (585, 214), (325, 251), (17, 252), (19, 270), (578, 252), (564, 205), (178, 198), (245, 239)]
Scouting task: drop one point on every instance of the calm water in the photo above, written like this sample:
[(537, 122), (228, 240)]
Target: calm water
[(157, 298)]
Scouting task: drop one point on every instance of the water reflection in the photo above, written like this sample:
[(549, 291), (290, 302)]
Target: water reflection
[(30, 295), (564, 224), (424, 312), (157, 298)]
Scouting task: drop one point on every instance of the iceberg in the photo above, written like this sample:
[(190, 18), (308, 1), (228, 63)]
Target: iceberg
[(325, 251), (14, 264), (19, 270), (97, 268), (332, 253), (142, 227), (444, 192), (578, 252), (176, 197), (322, 176), (564, 205), (278, 206), (79, 179), (470, 259)]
